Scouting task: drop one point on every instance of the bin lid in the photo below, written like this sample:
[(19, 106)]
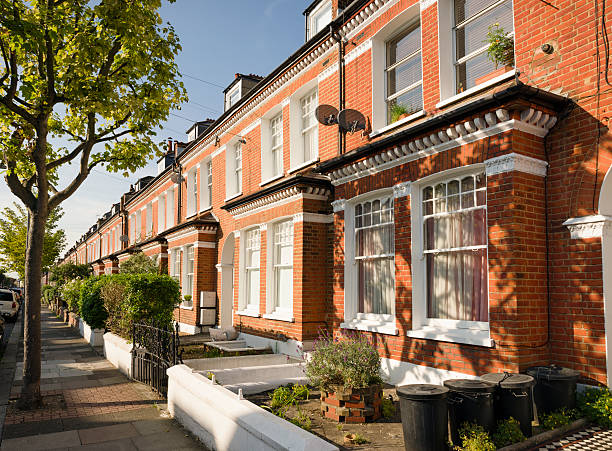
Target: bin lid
[(553, 372), (470, 385), (509, 380), (422, 391)]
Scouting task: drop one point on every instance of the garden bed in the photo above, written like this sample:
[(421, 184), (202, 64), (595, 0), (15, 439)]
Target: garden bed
[(385, 433)]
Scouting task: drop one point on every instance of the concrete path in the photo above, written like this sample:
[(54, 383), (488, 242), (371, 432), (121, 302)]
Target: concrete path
[(89, 405)]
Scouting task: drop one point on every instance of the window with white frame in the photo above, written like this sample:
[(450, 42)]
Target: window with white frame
[(149, 219), (252, 253), (375, 258), (282, 267), (309, 129), (471, 22), (454, 243), (234, 170), (404, 78), (188, 280), (192, 191), (161, 212)]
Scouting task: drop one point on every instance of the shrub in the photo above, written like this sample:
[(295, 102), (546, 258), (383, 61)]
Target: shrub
[(596, 405), (71, 294), (138, 263), (508, 432), (92, 306), (351, 361), (557, 419), (131, 298), (474, 438)]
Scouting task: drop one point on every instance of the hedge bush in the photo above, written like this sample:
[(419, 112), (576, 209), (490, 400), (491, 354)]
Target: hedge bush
[(130, 298), (92, 307)]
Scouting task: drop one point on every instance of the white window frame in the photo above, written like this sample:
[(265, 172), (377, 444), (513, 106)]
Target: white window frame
[(233, 170), (447, 53), (250, 241), (297, 155), (316, 14), (381, 323), (269, 172), (206, 184), (456, 331), (379, 65), (192, 191)]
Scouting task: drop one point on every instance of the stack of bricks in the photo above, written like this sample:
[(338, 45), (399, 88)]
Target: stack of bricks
[(345, 405)]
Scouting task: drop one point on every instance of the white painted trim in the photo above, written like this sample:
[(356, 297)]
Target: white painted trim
[(586, 227), (466, 336), (369, 326), (515, 162), (397, 124), (477, 88), (279, 317), (303, 165), (313, 217)]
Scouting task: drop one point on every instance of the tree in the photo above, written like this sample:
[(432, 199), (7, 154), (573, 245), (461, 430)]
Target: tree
[(74, 75), (69, 271), (13, 232), (138, 263)]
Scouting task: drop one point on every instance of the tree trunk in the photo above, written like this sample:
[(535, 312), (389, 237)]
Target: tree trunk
[(30, 392)]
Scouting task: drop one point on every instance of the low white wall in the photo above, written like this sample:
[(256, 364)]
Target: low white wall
[(93, 336), (117, 352), (223, 421)]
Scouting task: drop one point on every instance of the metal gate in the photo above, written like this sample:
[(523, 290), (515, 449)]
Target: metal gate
[(154, 350)]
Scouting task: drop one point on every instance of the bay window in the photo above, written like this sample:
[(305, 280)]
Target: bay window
[(471, 22)]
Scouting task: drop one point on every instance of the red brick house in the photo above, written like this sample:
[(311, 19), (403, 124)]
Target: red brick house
[(474, 234)]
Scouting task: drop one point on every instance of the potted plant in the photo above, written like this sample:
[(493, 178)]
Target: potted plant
[(399, 111), (500, 51), (347, 371)]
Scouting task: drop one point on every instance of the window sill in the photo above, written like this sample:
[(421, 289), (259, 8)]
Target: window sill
[(371, 326), (270, 180), (233, 196), (475, 89), (303, 165), (396, 124), (250, 313), (279, 317), (464, 336)]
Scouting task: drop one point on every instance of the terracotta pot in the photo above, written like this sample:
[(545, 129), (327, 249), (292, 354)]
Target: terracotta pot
[(352, 405), (496, 73)]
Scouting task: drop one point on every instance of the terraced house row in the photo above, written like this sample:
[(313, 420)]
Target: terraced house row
[(456, 211)]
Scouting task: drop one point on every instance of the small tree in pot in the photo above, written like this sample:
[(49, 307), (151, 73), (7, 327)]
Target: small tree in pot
[(347, 370)]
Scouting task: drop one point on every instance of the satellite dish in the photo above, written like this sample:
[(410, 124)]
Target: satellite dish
[(124, 238), (326, 114), (351, 120)]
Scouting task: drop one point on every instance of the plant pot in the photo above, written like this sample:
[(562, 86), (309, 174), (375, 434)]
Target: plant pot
[(352, 405), (496, 73)]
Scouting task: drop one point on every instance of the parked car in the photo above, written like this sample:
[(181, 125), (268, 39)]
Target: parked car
[(9, 304)]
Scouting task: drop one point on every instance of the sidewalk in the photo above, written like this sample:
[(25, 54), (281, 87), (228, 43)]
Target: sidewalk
[(89, 405)]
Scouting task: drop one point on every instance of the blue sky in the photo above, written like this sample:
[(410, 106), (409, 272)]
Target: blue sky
[(219, 38)]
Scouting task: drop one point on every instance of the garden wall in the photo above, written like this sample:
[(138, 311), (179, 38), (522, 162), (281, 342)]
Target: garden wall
[(223, 421)]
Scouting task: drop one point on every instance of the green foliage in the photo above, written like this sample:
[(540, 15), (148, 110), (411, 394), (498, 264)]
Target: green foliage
[(71, 295), (280, 397), (508, 432), (501, 46), (131, 298), (70, 271), (301, 392), (474, 438), (351, 361), (388, 408), (596, 405), (13, 237), (138, 263), (557, 419), (92, 307)]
